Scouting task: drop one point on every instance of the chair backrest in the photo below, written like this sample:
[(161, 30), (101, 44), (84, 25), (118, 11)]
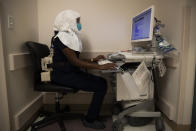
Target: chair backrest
[(37, 52)]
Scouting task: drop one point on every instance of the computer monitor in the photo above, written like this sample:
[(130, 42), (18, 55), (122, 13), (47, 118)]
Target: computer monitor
[(142, 26)]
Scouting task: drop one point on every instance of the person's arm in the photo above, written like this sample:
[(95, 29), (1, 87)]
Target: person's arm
[(72, 58), (96, 59), (88, 60)]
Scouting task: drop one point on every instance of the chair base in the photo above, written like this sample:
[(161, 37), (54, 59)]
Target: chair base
[(52, 117)]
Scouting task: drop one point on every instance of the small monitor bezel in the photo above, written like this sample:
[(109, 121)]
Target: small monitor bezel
[(151, 24)]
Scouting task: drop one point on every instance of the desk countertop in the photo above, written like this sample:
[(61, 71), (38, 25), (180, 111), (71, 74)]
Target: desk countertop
[(129, 57)]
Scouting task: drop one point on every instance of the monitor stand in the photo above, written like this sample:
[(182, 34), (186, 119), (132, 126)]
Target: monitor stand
[(144, 48)]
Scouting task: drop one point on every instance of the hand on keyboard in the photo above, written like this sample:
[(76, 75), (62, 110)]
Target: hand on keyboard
[(102, 62), (106, 65)]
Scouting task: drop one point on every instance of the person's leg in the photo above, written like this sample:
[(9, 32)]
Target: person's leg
[(100, 88), (86, 82), (98, 85)]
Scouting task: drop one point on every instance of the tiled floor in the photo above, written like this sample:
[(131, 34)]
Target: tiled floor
[(75, 125), (150, 127)]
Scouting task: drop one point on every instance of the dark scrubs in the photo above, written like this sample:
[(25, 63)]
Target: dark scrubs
[(64, 73)]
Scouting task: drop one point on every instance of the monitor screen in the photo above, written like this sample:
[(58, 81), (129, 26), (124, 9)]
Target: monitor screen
[(142, 26)]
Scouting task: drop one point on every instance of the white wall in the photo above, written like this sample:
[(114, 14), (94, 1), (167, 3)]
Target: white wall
[(171, 14), (107, 28), (106, 23), (4, 110), (19, 82), (190, 74)]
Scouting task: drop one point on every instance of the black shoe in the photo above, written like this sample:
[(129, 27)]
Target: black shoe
[(95, 124)]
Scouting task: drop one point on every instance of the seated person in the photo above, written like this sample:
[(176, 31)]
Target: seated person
[(67, 47)]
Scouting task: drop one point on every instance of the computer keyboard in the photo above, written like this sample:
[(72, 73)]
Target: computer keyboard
[(102, 62)]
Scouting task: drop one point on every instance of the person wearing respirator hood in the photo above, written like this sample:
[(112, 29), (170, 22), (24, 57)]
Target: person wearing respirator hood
[(67, 47)]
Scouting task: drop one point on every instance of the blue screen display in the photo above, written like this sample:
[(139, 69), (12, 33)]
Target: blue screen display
[(141, 26)]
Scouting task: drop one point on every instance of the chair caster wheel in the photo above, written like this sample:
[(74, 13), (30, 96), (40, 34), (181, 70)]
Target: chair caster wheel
[(117, 126), (159, 124)]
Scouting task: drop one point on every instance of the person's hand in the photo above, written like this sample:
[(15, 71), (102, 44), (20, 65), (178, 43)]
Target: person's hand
[(107, 66), (98, 58)]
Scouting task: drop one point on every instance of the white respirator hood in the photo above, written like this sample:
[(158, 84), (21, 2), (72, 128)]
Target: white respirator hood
[(65, 24)]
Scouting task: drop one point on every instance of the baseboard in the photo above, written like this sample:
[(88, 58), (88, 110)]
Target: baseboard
[(28, 112), (176, 127), (167, 109)]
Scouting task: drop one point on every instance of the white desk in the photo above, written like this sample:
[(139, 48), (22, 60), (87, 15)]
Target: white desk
[(142, 108), (130, 57)]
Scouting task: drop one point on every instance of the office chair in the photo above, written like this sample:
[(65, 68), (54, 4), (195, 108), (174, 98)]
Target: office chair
[(39, 51)]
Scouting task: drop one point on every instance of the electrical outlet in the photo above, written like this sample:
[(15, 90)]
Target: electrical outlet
[(10, 22)]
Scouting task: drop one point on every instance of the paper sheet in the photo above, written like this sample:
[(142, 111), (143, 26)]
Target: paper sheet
[(138, 86), (142, 77)]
